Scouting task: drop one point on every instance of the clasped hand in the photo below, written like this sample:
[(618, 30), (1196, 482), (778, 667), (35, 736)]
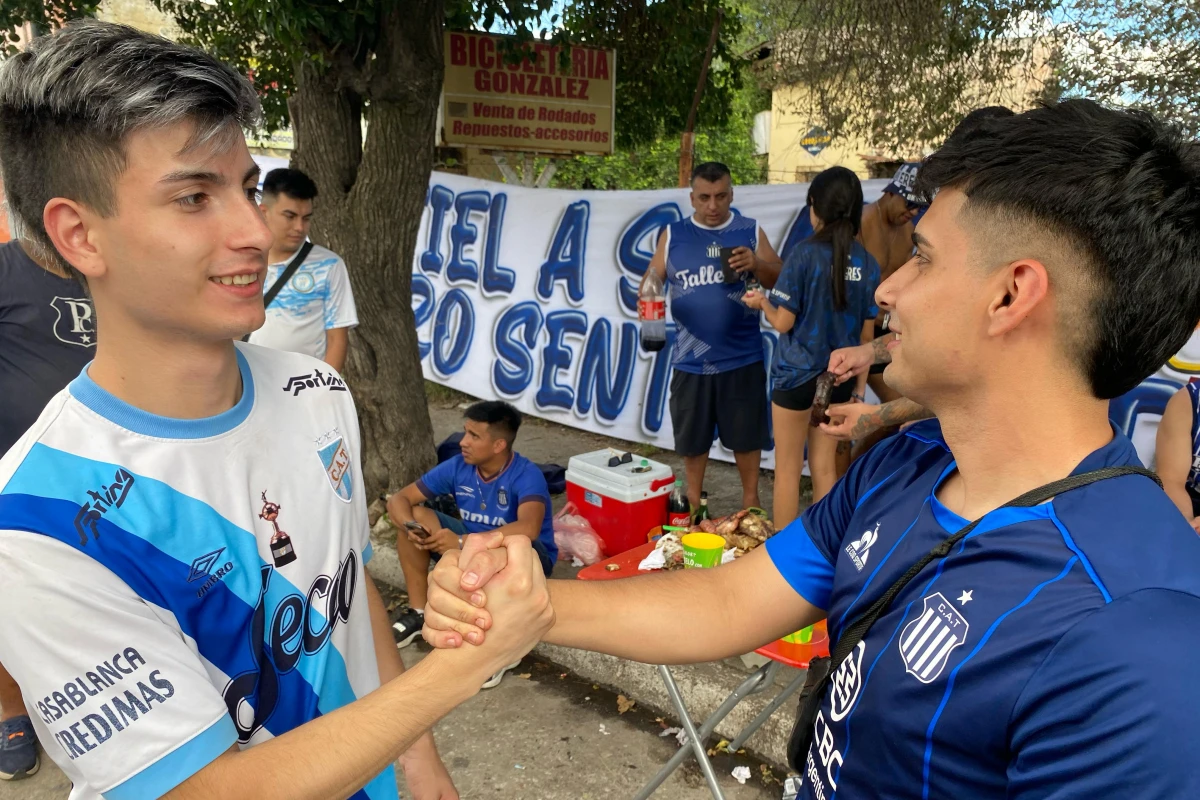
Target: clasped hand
[(493, 594)]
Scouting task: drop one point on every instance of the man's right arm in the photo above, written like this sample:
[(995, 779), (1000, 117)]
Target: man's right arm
[(338, 753), (680, 617), (729, 611)]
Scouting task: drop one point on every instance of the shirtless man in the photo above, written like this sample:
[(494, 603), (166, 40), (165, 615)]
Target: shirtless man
[(887, 230)]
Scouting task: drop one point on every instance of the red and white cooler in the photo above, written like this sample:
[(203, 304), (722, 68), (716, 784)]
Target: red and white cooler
[(621, 503)]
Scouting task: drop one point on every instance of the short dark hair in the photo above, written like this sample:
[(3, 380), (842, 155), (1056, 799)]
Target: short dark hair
[(502, 419), (292, 182), (1117, 192), (711, 171), (976, 119)]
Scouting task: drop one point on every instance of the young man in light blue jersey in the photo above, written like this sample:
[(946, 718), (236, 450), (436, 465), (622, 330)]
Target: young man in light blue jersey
[(183, 530), (1050, 650), (719, 383), (313, 311)]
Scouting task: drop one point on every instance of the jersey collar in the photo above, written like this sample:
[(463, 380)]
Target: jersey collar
[(1118, 452), (134, 419), (720, 227)]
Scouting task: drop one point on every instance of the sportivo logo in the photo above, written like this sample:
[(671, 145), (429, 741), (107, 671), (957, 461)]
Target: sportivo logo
[(860, 548), (314, 380), (99, 502), (926, 642)]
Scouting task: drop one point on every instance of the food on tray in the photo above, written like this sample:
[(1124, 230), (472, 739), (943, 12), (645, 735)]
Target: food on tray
[(743, 531)]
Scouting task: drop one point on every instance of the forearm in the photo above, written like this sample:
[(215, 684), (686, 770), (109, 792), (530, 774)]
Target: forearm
[(668, 618), (900, 411), (337, 342), (338, 753), (766, 271), (400, 509), (879, 349), (1179, 496), (778, 318)]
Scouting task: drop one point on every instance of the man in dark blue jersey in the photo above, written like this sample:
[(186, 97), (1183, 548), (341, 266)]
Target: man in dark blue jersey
[(719, 383), (1050, 653)]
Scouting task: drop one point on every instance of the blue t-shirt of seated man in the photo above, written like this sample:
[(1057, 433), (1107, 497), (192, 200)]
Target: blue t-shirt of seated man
[(805, 287), (489, 504), (715, 331)]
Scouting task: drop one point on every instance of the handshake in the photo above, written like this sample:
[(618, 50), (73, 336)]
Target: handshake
[(491, 596)]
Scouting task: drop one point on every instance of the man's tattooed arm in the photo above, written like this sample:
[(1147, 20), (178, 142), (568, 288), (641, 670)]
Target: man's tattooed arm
[(888, 415), (879, 349)]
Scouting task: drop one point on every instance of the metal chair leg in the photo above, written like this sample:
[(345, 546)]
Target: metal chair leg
[(765, 714), (755, 683)]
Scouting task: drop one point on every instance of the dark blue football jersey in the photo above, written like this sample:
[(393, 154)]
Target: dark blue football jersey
[(1052, 654)]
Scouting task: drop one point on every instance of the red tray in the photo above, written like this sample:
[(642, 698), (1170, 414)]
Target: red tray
[(789, 653)]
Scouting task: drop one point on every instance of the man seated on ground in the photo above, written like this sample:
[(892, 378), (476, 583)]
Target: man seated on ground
[(1177, 451), (495, 488)]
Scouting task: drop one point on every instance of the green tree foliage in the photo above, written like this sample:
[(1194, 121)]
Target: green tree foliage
[(1144, 53), (894, 72), (655, 164), (43, 15)]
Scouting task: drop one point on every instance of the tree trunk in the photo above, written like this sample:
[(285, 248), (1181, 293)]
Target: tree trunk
[(372, 195)]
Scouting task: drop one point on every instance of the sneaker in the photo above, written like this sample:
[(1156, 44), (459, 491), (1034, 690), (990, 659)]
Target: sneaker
[(18, 749), (408, 627), (494, 681)]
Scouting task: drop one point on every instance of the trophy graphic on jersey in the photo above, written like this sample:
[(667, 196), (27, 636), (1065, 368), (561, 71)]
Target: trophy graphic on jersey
[(281, 544)]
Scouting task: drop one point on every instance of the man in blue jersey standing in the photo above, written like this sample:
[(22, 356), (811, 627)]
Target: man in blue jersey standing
[(719, 384), (183, 529), (1049, 651)]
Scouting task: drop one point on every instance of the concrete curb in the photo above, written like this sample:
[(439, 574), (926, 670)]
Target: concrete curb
[(704, 686)]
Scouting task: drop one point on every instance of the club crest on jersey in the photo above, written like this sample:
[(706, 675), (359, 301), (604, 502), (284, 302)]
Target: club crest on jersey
[(75, 323), (926, 642), (336, 460), (714, 250), (502, 497), (860, 548)]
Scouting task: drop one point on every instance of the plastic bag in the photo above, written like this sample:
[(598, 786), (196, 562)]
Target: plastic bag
[(575, 537)]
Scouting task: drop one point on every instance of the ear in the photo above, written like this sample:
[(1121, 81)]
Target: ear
[(1024, 287), (68, 224)]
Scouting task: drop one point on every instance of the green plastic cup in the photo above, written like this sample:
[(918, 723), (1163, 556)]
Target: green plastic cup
[(800, 637), (702, 549)]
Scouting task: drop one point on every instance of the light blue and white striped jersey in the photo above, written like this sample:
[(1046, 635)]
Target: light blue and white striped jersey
[(173, 587)]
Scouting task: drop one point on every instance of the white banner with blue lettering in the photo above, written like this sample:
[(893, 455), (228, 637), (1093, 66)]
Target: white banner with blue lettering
[(529, 295)]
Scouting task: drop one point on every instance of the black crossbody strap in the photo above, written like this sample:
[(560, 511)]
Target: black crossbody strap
[(287, 274), (855, 632)]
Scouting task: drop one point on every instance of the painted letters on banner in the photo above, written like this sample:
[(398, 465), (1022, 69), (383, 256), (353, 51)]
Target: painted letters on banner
[(530, 296)]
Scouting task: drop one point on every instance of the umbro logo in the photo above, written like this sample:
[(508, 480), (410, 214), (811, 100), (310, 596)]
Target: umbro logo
[(203, 565), (202, 568)]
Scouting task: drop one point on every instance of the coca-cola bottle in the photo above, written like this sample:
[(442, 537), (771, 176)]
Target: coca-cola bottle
[(652, 312), (679, 510)]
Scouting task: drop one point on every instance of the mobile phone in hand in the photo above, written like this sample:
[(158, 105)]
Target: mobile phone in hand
[(417, 528)]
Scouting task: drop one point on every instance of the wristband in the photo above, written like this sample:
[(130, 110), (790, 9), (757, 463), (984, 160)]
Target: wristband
[(858, 397)]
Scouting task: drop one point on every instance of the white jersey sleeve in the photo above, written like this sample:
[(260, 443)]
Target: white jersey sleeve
[(116, 689), (340, 311)]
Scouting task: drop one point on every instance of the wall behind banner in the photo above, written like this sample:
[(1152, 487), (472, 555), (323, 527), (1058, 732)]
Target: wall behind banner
[(529, 295)]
